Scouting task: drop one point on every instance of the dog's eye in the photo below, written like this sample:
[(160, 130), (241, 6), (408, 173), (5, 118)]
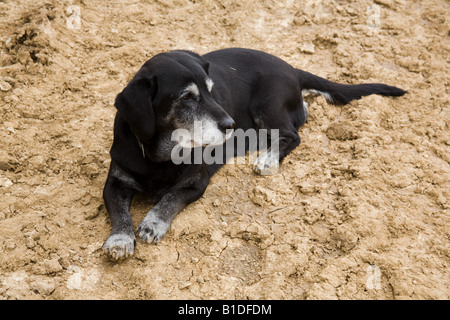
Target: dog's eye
[(187, 96)]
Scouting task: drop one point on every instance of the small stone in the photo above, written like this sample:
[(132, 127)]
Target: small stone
[(200, 279), (307, 48), (441, 199), (5, 182), (216, 203), (6, 161), (52, 266), (44, 286), (4, 86), (261, 196), (184, 285), (306, 188)]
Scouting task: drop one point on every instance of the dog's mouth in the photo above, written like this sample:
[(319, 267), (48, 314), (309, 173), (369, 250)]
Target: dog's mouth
[(212, 137), (204, 138)]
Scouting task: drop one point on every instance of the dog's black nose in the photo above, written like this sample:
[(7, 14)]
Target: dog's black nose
[(227, 123)]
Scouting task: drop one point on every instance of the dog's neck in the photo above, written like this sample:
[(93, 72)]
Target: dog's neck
[(159, 150)]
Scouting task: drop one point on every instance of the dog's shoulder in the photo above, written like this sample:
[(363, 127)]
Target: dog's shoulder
[(126, 152), (125, 149)]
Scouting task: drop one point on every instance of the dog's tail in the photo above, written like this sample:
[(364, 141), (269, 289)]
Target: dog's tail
[(340, 94)]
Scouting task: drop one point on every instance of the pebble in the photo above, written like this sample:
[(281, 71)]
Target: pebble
[(184, 285), (4, 86), (5, 182), (52, 266), (307, 48), (6, 161), (44, 286)]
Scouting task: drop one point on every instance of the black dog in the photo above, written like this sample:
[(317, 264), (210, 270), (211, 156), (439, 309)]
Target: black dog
[(224, 89)]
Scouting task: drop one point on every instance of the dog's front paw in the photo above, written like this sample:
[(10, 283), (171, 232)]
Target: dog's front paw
[(120, 245), (152, 229), (266, 164)]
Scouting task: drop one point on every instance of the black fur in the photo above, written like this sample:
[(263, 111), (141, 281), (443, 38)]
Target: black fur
[(342, 94)]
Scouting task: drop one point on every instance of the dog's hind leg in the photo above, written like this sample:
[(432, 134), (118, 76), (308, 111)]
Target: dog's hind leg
[(282, 137), (268, 162)]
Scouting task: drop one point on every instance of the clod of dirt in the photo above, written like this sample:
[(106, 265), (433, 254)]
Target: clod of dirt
[(261, 196), (341, 131), (43, 285), (307, 48), (30, 43), (7, 162), (344, 239), (5, 84), (5, 182)]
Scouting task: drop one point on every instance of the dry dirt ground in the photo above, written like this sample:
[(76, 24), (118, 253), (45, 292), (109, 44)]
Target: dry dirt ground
[(360, 210)]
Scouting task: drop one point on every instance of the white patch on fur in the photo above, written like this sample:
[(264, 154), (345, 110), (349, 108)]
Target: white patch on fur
[(305, 109), (205, 132), (192, 88), (182, 137), (209, 84), (119, 246), (324, 94), (152, 229), (267, 163)]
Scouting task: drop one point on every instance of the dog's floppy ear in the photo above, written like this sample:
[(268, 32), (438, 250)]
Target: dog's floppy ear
[(206, 66), (134, 104)]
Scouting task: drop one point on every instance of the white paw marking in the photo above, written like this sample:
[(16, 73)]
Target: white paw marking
[(152, 229), (266, 164), (120, 245)]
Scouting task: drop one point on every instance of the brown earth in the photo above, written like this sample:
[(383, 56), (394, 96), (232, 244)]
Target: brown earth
[(360, 210)]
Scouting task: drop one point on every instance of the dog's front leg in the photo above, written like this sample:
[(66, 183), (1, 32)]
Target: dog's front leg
[(117, 196), (158, 220)]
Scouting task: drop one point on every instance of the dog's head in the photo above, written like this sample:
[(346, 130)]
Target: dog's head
[(171, 96)]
